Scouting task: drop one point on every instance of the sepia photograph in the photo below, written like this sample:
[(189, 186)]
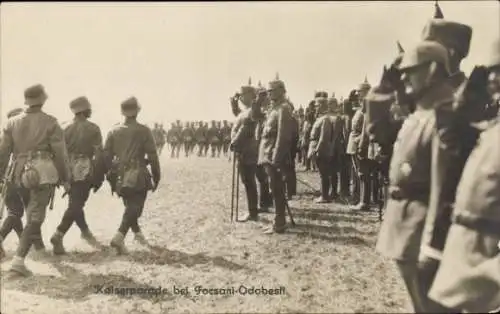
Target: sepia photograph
[(250, 157)]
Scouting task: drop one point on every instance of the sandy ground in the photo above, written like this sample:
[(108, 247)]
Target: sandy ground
[(326, 263)]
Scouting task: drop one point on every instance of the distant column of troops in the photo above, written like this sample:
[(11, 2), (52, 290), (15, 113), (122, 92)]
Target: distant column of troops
[(190, 135)]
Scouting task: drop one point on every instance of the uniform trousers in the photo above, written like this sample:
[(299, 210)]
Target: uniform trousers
[(134, 204), (248, 178), (36, 207), (78, 196), (278, 190)]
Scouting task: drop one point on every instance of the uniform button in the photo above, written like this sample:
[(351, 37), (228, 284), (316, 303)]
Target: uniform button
[(406, 169)]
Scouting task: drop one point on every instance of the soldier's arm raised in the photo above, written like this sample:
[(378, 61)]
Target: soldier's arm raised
[(152, 154), (283, 137)]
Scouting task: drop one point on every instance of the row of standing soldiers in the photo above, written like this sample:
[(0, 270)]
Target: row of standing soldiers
[(191, 135), (441, 133), (37, 155)]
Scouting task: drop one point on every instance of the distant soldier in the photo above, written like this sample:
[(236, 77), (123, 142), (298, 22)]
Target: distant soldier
[(206, 145), (425, 73), (220, 136), (126, 147), (353, 145), (193, 144), (213, 138), (244, 144), (187, 135), (321, 147), (200, 138), (84, 143), (468, 277), (159, 137), (36, 142), (275, 148), (226, 137), (305, 136), (174, 140), (300, 119), (13, 202)]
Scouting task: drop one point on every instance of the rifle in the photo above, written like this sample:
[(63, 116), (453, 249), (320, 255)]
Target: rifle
[(6, 181)]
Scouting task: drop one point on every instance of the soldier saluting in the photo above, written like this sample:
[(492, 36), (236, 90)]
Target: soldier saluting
[(244, 144), (84, 143), (275, 149), (125, 149), (36, 142)]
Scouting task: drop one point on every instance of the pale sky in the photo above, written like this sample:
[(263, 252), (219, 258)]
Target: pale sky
[(184, 60)]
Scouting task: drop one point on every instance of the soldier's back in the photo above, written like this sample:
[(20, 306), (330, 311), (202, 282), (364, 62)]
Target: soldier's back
[(81, 136), (130, 140)]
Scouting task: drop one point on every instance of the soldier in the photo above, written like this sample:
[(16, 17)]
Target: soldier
[(40, 161), (353, 146), (220, 138), (468, 277), (226, 137), (338, 147), (13, 202), (200, 138), (206, 139), (187, 135), (425, 72), (213, 138), (173, 139), (126, 146), (305, 132), (84, 143), (320, 147), (344, 159), (244, 144), (275, 147), (300, 118), (290, 173)]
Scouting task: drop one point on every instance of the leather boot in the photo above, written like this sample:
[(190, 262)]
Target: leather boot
[(118, 243), (139, 237), (19, 267), (88, 237), (57, 243)]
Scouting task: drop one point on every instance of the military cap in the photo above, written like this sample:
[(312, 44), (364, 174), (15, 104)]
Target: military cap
[(35, 95), (494, 56), (425, 51), (453, 35), (130, 107), (14, 112), (79, 104)]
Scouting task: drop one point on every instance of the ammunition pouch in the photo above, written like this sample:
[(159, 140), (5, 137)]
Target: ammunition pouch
[(39, 169), (81, 167), (129, 175)]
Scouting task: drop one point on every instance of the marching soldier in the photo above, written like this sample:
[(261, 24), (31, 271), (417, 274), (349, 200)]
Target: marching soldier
[(125, 149), (40, 162), (320, 147), (14, 203), (200, 138), (84, 143), (213, 138), (244, 144), (468, 277), (275, 147), (187, 135), (220, 138), (425, 72), (226, 137), (173, 139)]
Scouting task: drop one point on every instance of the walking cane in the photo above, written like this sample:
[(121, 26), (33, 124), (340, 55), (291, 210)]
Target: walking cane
[(237, 187)]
